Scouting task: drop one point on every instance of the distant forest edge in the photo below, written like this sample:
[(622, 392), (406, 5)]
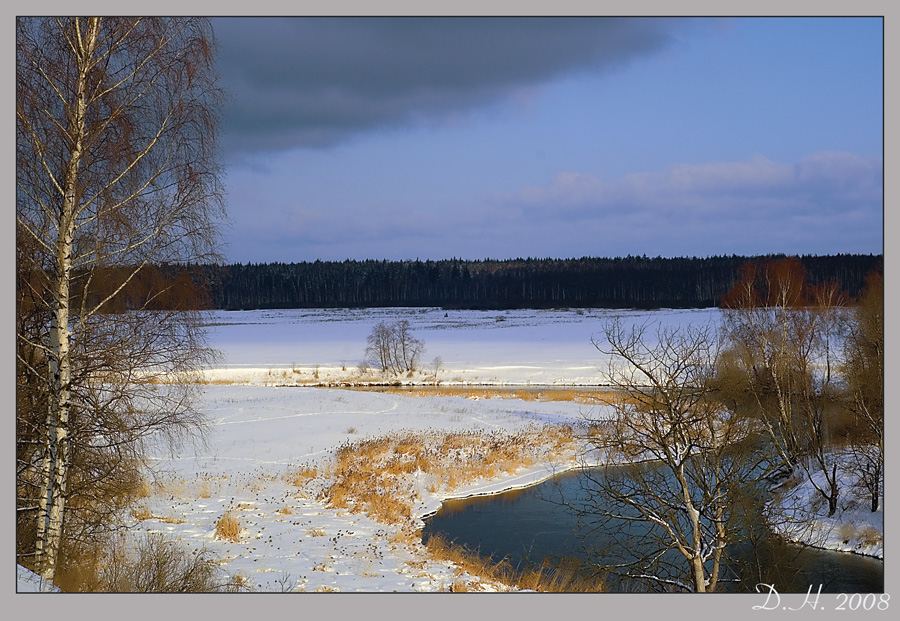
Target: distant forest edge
[(628, 282)]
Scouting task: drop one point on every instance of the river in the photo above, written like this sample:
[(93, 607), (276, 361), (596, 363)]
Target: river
[(529, 525)]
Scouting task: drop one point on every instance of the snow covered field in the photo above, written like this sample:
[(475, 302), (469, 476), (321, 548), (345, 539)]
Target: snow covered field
[(267, 423), (316, 346), (262, 430)]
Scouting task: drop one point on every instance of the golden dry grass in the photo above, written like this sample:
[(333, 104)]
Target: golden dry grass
[(167, 519), (866, 535), (375, 475), (572, 394), (382, 476), (228, 527), (301, 476), (141, 513), (144, 490), (870, 535)]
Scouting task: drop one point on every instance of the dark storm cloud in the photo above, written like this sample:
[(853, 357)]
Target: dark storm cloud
[(315, 81)]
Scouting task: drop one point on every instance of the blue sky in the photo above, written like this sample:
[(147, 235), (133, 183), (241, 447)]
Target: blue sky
[(500, 138)]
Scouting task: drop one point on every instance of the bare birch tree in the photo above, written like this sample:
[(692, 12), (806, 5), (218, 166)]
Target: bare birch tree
[(116, 171)]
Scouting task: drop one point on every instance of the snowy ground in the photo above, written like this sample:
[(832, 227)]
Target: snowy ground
[(266, 423), (291, 540), (853, 528), (315, 346)]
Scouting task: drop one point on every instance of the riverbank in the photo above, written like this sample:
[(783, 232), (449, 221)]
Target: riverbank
[(265, 437)]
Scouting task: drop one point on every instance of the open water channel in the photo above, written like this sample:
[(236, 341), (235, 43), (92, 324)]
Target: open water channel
[(541, 522)]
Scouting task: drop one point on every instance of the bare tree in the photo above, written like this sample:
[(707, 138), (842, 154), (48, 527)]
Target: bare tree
[(394, 347), (784, 332), (863, 370), (437, 364), (379, 347), (677, 461), (116, 171)]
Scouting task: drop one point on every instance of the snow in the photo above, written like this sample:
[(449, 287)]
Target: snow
[(29, 582), (260, 434), (539, 347), (267, 421), (853, 528)]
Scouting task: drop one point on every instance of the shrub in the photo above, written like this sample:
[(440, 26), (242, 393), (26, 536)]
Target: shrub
[(157, 565)]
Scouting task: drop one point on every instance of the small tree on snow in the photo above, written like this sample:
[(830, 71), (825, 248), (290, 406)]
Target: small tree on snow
[(394, 347)]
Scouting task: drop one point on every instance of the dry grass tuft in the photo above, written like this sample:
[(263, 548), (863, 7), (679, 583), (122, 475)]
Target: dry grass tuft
[(847, 531), (228, 527), (167, 519), (141, 513), (301, 476), (239, 583), (204, 490), (869, 536)]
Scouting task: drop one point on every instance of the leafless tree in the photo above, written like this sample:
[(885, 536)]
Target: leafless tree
[(677, 461), (863, 370), (394, 347), (785, 335), (437, 364), (116, 172)]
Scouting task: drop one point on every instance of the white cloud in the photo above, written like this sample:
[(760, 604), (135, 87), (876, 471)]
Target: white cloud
[(832, 181)]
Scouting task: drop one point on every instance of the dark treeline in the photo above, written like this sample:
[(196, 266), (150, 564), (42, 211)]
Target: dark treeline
[(628, 282)]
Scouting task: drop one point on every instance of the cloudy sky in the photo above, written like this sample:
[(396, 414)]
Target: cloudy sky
[(402, 138)]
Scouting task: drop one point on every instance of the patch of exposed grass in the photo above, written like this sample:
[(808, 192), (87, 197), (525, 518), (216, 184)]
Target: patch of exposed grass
[(378, 476), (866, 535), (571, 394), (228, 527), (382, 477), (301, 476), (141, 513), (869, 536), (150, 563)]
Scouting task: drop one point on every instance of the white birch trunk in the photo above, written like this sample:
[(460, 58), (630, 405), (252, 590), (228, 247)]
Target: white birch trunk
[(56, 441)]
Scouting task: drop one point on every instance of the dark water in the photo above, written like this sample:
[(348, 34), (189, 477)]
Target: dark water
[(527, 526)]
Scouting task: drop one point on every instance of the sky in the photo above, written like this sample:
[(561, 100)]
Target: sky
[(434, 138)]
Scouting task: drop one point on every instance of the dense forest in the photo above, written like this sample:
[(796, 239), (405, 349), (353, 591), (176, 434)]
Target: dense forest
[(627, 282)]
